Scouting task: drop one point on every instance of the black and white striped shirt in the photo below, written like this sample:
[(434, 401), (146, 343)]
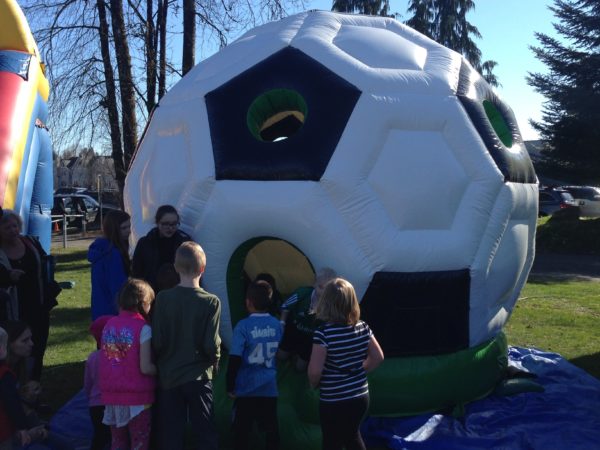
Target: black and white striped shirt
[(343, 375)]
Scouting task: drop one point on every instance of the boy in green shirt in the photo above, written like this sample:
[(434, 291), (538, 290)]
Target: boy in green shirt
[(185, 338)]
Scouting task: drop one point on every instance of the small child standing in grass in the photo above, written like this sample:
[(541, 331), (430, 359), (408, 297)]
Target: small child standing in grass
[(126, 370), (252, 375)]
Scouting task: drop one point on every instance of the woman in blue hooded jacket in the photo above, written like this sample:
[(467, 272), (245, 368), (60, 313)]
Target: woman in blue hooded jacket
[(109, 256)]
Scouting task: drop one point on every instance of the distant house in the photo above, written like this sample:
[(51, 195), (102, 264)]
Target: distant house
[(85, 171)]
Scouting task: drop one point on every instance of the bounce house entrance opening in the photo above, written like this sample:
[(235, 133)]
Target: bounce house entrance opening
[(285, 262)]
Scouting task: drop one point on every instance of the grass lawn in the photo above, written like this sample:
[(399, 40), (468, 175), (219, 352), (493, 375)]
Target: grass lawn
[(558, 316)]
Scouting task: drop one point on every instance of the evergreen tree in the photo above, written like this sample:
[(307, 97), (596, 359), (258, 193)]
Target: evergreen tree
[(445, 21), (571, 115), (370, 7)]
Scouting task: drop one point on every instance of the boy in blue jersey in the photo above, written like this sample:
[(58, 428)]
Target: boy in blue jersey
[(252, 375)]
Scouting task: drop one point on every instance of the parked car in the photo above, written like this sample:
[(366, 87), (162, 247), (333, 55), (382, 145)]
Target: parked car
[(587, 198), (556, 201), (80, 204)]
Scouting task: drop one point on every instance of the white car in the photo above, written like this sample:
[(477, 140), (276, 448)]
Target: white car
[(588, 199)]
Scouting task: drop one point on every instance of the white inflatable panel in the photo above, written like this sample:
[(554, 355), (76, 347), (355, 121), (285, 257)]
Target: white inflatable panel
[(410, 186)]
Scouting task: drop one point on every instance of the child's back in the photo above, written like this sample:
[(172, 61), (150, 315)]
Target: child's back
[(256, 339), (186, 342), (127, 381), (185, 334), (252, 375)]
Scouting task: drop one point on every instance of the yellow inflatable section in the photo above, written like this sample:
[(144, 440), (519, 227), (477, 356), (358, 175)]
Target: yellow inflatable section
[(25, 148), (15, 34)]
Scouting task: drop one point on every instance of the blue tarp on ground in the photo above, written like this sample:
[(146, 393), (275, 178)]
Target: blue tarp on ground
[(565, 416)]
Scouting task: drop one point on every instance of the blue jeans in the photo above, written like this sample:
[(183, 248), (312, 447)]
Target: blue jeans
[(191, 401)]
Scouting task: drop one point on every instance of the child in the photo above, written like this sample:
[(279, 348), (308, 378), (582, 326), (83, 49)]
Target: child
[(185, 324), (109, 257), (299, 320), (251, 375), (275, 307), (13, 421), (91, 380), (344, 350), (126, 369)]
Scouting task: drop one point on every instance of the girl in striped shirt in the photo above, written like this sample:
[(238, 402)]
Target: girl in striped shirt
[(344, 350)]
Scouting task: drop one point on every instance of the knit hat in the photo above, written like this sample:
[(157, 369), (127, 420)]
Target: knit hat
[(97, 326)]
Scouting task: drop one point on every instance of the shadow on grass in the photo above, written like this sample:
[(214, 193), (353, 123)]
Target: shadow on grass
[(557, 278), (73, 323), (60, 383), (71, 268), (74, 256), (589, 363)]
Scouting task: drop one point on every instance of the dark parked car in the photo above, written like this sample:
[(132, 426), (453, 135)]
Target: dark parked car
[(80, 204), (554, 201)]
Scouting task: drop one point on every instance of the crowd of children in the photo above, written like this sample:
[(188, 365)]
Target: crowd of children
[(151, 373)]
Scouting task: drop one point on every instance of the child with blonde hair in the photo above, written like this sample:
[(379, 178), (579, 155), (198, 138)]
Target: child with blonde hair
[(344, 350), (185, 325), (126, 369)]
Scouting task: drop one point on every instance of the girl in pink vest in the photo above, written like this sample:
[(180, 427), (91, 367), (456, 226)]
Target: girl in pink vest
[(127, 373)]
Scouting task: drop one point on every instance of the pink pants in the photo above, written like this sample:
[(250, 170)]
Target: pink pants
[(133, 436)]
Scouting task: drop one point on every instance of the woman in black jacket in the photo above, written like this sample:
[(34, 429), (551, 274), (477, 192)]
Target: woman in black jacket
[(27, 277), (155, 252)]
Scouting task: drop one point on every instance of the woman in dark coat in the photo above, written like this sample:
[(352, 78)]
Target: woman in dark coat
[(24, 272), (155, 252)]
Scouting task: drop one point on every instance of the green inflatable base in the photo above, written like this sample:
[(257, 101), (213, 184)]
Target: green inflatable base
[(399, 387)]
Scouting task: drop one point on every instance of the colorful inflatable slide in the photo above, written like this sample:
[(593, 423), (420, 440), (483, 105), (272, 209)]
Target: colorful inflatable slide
[(26, 181)]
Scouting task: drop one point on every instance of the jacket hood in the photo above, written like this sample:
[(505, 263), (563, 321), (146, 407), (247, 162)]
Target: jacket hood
[(99, 249)]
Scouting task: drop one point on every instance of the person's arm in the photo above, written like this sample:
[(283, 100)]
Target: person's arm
[(374, 355), (137, 262), (235, 362), (147, 367), (212, 342), (115, 276), (157, 316), (316, 364), (283, 318), (88, 376)]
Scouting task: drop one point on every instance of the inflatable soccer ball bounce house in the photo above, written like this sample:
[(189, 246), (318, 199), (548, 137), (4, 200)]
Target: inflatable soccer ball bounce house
[(355, 143)]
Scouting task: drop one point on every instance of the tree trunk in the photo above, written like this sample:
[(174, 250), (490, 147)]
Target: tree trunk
[(189, 35), (128, 115), (110, 101), (163, 9), (150, 42)]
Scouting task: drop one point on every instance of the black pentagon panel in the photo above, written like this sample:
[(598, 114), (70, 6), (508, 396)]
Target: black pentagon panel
[(311, 119), (419, 313), (495, 122)]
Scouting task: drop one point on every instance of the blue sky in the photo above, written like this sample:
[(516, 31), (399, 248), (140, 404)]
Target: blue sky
[(507, 28)]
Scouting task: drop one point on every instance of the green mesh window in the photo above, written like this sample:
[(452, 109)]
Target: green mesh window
[(277, 114), (498, 123)]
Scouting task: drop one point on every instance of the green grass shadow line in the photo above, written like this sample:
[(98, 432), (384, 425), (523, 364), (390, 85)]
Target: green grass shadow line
[(70, 257)]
